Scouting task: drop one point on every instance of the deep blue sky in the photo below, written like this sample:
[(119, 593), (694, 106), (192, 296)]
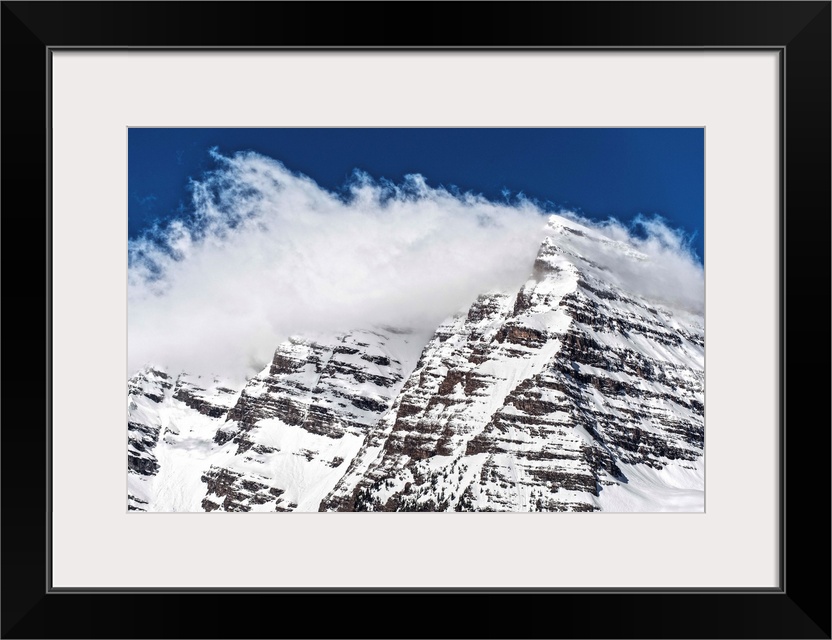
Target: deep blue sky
[(599, 172)]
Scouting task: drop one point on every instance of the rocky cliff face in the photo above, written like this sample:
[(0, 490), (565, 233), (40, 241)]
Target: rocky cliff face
[(562, 396), (170, 424), (297, 425)]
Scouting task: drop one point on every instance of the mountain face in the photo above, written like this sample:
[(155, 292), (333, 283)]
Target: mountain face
[(570, 394)]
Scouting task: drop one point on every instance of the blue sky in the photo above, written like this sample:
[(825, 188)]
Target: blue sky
[(597, 172)]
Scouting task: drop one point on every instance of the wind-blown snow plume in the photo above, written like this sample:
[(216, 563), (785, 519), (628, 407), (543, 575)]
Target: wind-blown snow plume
[(267, 253), (658, 263)]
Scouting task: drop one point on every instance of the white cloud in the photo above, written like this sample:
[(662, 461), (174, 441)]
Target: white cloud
[(268, 253), (658, 263)]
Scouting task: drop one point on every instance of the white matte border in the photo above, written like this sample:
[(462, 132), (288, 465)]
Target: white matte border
[(97, 95)]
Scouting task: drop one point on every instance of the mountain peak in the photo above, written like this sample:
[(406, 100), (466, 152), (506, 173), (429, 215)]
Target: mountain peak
[(576, 392)]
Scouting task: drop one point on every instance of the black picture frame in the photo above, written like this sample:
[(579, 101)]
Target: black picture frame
[(798, 608)]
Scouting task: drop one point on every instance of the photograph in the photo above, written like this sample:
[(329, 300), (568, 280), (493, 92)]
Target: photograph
[(416, 319)]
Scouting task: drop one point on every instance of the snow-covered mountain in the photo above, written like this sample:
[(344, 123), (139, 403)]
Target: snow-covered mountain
[(571, 394)]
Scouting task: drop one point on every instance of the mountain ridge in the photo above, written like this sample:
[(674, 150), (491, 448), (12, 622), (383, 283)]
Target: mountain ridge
[(556, 397)]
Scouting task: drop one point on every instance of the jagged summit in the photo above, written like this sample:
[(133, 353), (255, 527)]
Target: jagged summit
[(570, 394)]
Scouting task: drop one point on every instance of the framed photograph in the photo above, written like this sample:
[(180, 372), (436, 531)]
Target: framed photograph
[(422, 348), (493, 311)]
